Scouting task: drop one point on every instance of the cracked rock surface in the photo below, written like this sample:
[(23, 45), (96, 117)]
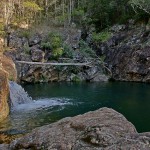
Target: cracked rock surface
[(103, 129)]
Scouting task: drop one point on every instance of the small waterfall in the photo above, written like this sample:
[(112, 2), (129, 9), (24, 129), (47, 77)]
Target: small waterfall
[(18, 95)]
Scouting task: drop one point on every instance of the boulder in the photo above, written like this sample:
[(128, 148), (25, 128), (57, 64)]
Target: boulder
[(117, 28), (7, 71), (34, 40), (4, 91), (103, 129), (9, 66), (37, 55)]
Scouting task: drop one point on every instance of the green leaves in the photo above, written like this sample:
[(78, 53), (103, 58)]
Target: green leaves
[(32, 6), (102, 36)]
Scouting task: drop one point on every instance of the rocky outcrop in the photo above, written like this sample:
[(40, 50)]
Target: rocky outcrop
[(7, 71), (38, 48), (4, 91), (102, 129), (128, 53), (130, 64), (48, 73), (8, 65)]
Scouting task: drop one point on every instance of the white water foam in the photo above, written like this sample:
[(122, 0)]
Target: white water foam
[(42, 104)]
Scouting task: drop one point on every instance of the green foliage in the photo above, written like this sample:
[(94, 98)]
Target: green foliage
[(56, 42), (68, 52), (24, 33), (46, 45), (2, 32), (32, 6), (57, 52), (55, 39), (86, 51), (26, 49), (76, 79), (102, 36), (53, 42)]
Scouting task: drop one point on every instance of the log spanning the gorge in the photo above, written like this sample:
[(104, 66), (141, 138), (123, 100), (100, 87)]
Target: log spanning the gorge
[(55, 64)]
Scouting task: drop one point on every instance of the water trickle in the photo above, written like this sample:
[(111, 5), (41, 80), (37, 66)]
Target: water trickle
[(18, 95)]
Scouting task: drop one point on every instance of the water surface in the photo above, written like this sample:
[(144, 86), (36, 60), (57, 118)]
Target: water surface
[(54, 101)]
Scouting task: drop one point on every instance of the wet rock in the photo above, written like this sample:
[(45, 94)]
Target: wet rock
[(101, 129), (100, 78)]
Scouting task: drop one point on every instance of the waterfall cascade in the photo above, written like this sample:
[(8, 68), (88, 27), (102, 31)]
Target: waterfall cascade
[(18, 94)]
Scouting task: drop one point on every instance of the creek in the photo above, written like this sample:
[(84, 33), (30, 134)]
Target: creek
[(54, 101)]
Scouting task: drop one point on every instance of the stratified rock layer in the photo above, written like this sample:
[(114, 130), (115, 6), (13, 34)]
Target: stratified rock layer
[(104, 129)]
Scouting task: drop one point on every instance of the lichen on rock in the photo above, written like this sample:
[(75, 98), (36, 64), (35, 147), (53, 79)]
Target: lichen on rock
[(103, 129)]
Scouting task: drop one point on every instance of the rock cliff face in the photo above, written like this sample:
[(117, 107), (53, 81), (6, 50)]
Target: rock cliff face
[(128, 54), (46, 73), (103, 129), (35, 50), (7, 71)]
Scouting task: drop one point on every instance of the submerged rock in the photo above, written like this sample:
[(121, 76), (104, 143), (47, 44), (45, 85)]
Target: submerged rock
[(101, 129)]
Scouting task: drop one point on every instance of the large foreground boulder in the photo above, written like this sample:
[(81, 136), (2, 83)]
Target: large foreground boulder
[(104, 129)]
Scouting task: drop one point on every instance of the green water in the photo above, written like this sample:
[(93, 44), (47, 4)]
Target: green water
[(70, 99)]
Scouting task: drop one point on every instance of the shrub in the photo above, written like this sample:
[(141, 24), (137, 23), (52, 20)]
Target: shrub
[(26, 49), (85, 50), (68, 52), (57, 52), (102, 36), (56, 42), (76, 79), (46, 45), (24, 33)]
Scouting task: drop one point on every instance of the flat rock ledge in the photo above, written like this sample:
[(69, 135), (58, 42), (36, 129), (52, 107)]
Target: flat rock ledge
[(103, 129)]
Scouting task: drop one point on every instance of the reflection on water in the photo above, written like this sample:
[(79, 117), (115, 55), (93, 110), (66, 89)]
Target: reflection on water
[(58, 100)]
